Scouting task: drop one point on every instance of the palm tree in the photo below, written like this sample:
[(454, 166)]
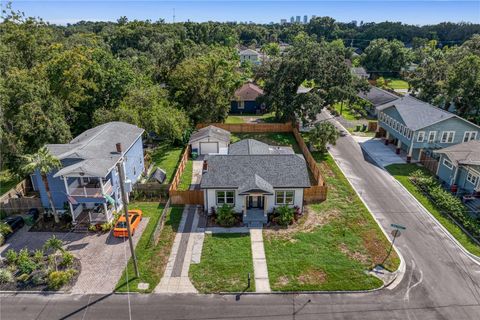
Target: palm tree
[(43, 162), (56, 245)]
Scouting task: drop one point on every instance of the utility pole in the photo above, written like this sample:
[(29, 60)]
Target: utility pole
[(125, 207)]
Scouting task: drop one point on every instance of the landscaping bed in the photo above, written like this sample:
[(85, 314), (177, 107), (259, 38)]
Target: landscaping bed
[(225, 264), (26, 270), (152, 259), (332, 246), (403, 173)]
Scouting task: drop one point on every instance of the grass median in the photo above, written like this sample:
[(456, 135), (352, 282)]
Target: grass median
[(333, 247), (401, 172), (152, 260), (225, 263)]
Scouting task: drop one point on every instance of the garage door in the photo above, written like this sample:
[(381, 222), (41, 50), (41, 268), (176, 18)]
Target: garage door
[(208, 147)]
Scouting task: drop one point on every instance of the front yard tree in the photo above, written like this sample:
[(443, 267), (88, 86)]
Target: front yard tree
[(55, 245), (43, 162), (322, 134), (383, 57)]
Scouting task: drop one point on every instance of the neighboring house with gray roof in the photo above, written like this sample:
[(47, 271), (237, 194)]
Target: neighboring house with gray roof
[(460, 165), (377, 97), (249, 55), (88, 181), (360, 72), (210, 140), (416, 126), (255, 178)]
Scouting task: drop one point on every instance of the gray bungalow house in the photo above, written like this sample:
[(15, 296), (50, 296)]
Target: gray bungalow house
[(460, 165), (416, 126), (254, 178)]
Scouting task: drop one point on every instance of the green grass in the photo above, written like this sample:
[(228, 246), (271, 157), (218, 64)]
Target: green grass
[(346, 114), (275, 139), (395, 83), (7, 181), (335, 254), (401, 172), (235, 119), (167, 158), (186, 178), (152, 260), (225, 263)]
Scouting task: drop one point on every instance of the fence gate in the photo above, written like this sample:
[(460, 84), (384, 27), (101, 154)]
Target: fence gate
[(428, 162)]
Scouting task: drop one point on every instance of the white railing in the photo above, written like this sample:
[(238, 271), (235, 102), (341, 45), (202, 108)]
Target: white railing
[(90, 192)]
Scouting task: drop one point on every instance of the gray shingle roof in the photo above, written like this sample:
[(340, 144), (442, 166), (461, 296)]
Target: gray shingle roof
[(239, 171), (377, 96), (255, 183), (417, 114), (467, 153), (93, 153), (248, 52), (210, 132), (252, 146), (360, 71)]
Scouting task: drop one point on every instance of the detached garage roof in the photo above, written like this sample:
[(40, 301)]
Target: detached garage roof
[(210, 132)]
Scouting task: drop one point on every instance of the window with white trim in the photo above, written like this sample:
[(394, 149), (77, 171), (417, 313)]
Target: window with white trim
[(225, 196), (421, 136), (469, 135), (447, 164), (431, 136), (241, 104), (409, 135), (401, 129), (284, 197), (472, 178), (447, 136)]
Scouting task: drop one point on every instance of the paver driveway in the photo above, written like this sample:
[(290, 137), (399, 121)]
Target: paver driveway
[(102, 256)]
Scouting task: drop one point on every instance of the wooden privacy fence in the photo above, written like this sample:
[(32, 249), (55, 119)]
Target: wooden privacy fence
[(22, 188), (251, 127), (20, 205), (315, 194), (428, 162), (372, 126), (186, 197), (180, 169), (311, 162)]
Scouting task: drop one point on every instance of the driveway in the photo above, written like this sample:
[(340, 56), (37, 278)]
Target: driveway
[(103, 257), (376, 149)]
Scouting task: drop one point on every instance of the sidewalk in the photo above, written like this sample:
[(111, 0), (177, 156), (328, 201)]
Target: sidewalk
[(260, 269)]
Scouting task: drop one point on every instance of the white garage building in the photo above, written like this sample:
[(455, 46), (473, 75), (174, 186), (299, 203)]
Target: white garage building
[(210, 140)]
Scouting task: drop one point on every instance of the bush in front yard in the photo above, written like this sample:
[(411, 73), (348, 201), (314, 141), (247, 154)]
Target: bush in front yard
[(284, 215), (25, 264), (11, 256), (57, 279), (6, 276), (226, 216)]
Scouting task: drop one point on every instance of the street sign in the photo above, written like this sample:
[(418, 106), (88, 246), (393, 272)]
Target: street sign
[(396, 233), (397, 226)]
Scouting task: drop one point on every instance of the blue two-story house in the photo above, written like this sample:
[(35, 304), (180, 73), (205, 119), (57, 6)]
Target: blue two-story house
[(245, 100), (88, 183), (416, 126), (459, 165)]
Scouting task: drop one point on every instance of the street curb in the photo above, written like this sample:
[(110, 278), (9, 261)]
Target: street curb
[(400, 272), (472, 257), (33, 292)]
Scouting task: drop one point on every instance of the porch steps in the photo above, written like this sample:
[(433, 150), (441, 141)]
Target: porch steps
[(255, 224)]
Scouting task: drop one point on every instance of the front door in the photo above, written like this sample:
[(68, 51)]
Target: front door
[(255, 201)]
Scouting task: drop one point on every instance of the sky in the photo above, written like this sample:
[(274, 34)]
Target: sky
[(420, 12)]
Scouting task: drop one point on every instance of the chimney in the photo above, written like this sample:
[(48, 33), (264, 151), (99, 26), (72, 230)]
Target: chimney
[(205, 166), (118, 145)]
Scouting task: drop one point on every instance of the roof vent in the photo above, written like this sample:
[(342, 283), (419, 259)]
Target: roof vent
[(118, 146)]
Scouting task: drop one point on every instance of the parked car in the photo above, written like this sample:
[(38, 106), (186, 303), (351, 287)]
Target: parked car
[(15, 224), (120, 229)]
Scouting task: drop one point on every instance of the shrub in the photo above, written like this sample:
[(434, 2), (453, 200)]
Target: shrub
[(11, 256), (6, 276), (57, 279), (67, 259), (25, 263), (23, 277), (284, 215), (226, 215), (107, 226), (38, 255)]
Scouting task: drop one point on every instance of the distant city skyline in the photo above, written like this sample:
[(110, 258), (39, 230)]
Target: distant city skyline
[(411, 12)]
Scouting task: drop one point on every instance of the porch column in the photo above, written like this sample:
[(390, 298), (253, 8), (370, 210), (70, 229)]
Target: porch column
[(69, 204), (265, 205), (106, 212), (245, 206), (101, 185), (387, 136), (399, 147), (410, 151)]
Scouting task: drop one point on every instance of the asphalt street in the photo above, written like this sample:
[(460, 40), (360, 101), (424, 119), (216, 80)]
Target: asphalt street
[(440, 281)]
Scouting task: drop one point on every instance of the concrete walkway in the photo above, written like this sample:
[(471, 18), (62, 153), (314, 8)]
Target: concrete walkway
[(260, 270), (197, 168), (175, 279), (382, 154)]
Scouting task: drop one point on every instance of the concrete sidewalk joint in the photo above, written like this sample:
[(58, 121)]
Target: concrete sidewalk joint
[(260, 269)]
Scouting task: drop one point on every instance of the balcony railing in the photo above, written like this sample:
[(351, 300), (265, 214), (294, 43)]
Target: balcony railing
[(92, 192)]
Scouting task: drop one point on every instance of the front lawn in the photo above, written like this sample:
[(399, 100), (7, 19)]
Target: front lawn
[(234, 119), (152, 260), (7, 181), (186, 178), (401, 172), (275, 139), (225, 263), (395, 83), (345, 111), (167, 158), (333, 247)]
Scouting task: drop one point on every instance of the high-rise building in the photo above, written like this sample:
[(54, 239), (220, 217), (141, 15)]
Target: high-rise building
[(313, 17), (292, 19), (283, 21), (305, 19), (297, 19)]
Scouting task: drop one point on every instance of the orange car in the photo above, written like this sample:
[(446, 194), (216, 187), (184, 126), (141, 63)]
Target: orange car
[(120, 229)]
